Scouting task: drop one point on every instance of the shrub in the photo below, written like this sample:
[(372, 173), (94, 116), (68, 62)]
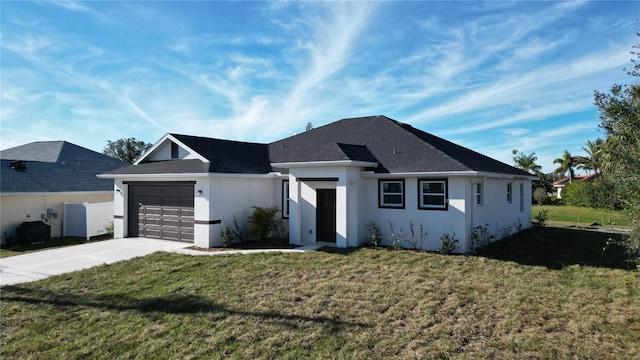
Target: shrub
[(262, 222), (280, 231), (599, 193), (448, 243), (416, 242), (540, 195), (541, 218), (239, 231), (396, 239), (109, 229), (227, 236), (481, 237), (375, 237)]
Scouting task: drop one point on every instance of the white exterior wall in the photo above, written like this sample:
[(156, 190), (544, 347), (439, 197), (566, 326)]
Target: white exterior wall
[(434, 222), (496, 213), (18, 208), (302, 222), (230, 196)]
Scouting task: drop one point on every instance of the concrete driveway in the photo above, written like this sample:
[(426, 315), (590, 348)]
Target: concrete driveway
[(42, 264)]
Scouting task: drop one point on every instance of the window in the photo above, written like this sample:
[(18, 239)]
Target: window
[(509, 193), (391, 194), (432, 194), (175, 151), (479, 194), (285, 199), (521, 197)]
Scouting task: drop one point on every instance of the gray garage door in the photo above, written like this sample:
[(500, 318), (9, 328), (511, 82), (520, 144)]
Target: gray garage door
[(161, 211)]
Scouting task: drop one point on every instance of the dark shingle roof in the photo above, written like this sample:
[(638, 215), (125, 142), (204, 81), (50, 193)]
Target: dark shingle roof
[(396, 147), (55, 166), (227, 156)]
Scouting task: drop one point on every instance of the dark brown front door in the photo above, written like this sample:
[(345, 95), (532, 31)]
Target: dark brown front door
[(326, 215), (161, 211)]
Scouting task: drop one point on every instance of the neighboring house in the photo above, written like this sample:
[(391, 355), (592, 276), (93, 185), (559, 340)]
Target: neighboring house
[(560, 184), (36, 180), (329, 182)]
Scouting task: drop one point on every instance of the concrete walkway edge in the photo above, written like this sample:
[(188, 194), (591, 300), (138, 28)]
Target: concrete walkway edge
[(43, 264)]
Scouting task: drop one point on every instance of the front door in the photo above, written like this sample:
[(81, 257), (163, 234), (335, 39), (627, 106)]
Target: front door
[(326, 215)]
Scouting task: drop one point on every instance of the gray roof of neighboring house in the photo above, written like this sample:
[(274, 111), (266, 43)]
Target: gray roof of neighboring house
[(394, 146), (54, 166)]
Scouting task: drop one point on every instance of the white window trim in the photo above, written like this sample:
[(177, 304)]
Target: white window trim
[(422, 205), (477, 193), (509, 193), (286, 206), (381, 194), (521, 197)]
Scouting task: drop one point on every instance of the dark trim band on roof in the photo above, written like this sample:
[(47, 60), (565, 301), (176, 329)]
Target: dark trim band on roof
[(207, 222), (317, 179), (159, 182)]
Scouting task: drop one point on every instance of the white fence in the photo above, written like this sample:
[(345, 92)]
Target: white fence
[(87, 220)]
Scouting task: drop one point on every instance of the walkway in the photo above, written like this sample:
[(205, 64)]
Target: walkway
[(42, 264)]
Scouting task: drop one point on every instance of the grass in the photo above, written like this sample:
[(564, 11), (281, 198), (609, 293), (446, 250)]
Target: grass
[(546, 293), (53, 243), (582, 216)]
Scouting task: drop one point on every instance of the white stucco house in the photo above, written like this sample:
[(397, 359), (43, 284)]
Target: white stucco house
[(329, 182), (38, 178)]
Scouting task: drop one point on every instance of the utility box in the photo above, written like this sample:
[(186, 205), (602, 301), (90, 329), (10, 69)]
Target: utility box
[(32, 232)]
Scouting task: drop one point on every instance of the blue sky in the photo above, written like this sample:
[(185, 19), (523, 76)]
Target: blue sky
[(492, 76)]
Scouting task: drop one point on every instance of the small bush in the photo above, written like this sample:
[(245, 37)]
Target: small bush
[(416, 243), (262, 222), (109, 229), (541, 218), (375, 237), (481, 237), (396, 239), (239, 231), (448, 243), (227, 236), (281, 231), (540, 195)]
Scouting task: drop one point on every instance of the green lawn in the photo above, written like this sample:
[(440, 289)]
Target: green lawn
[(546, 293), (582, 216), (53, 243)]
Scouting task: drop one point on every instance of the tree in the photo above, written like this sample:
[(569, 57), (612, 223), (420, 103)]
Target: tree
[(593, 160), (566, 164), (526, 162), (619, 113), (127, 150), (308, 127)]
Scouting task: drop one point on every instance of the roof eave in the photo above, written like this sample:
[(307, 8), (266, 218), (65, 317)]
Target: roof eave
[(468, 173), (351, 163), (159, 176)]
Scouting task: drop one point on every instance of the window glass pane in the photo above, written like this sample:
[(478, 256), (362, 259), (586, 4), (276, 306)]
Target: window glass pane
[(392, 187), (433, 187), (433, 200), (392, 199)]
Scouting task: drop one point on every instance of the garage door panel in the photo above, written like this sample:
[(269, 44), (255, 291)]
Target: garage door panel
[(186, 212), (165, 211), (171, 222)]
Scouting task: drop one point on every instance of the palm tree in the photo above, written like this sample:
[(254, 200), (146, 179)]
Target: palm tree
[(527, 162), (566, 164), (594, 159)]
